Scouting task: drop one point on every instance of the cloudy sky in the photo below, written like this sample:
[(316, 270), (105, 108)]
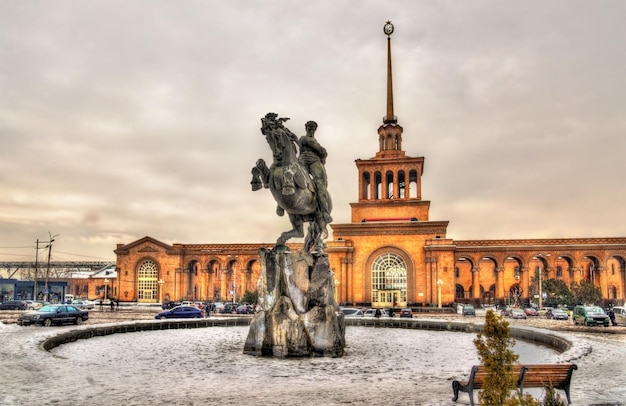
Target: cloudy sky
[(121, 119)]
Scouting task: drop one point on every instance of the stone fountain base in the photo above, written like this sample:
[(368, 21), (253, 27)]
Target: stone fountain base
[(298, 315)]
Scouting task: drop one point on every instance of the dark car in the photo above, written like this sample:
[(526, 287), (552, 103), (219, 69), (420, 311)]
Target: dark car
[(181, 312), (556, 314), (408, 313), (14, 305), (169, 305), (468, 310), (229, 308), (245, 309), (54, 314)]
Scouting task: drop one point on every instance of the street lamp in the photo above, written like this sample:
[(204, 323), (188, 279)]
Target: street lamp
[(160, 282), (234, 282), (439, 285), (540, 302), (234, 266)]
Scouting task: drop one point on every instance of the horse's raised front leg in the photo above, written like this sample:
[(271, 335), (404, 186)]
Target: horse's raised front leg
[(296, 231), (260, 175)]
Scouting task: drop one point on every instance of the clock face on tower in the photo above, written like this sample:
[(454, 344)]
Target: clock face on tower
[(388, 29)]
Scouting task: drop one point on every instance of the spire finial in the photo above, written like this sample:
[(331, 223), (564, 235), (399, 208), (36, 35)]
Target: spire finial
[(390, 117)]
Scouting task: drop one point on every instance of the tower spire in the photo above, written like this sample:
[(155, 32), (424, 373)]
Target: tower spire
[(390, 117)]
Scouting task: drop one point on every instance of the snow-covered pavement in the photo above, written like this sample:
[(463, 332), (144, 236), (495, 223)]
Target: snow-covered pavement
[(206, 366)]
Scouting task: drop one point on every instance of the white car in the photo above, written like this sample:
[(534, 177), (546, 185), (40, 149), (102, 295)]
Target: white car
[(83, 304), (372, 313), (351, 312), (33, 305)]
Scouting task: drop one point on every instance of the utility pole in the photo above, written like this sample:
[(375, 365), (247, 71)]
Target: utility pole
[(49, 246), (36, 266)]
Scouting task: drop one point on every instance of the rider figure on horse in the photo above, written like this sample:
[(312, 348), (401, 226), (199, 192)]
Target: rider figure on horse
[(313, 157)]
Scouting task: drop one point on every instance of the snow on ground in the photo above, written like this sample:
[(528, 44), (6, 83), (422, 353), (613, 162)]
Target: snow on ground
[(207, 366)]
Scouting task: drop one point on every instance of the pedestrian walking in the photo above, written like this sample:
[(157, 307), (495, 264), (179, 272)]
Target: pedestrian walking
[(612, 317)]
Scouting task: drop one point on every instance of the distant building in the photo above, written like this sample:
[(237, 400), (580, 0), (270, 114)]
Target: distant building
[(390, 254)]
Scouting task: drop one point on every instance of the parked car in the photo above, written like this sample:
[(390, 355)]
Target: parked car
[(351, 312), (407, 313), (229, 308), (218, 307), (518, 314), (54, 314), (531, 311), (590, 316), (83, 304), (245, 309), (33, 305), (556, 314), (468, 310), (507, 312), (181, 312), (169, 305), (372, 313), (14, 305)]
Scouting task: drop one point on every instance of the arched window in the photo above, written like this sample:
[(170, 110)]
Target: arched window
[(401, 185), (413, 184), (378, 185), (389, 280), (366, 186), (147, 286), (390, 185)]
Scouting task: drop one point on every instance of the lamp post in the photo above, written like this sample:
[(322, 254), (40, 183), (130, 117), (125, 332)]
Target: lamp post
[(234, 282), (106, 285), (439, 285), (160, 282), (234, 269), (540, 301)]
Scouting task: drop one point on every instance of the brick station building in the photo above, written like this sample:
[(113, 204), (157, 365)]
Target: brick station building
[(390, 254)]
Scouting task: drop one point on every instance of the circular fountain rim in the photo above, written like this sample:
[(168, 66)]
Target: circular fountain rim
[(530, 334)]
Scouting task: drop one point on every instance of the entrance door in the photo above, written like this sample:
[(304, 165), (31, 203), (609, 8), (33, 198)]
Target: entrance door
[(390, 298)]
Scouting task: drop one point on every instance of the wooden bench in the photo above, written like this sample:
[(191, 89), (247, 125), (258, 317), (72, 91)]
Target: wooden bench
[(558, 376), (476, 381)]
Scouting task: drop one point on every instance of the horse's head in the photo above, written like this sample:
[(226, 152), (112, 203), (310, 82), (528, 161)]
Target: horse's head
[(280, 139)]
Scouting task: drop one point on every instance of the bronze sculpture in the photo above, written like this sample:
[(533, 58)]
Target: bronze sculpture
[(297, 182), (297, 315)]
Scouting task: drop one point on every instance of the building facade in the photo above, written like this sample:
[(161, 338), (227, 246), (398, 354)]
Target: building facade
[(390, 254)]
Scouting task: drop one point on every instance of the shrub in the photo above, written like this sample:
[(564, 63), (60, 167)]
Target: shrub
[(494, 351)]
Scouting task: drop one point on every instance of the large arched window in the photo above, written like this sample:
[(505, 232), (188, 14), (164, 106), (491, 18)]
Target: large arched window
[(389, 281), (147, 286)]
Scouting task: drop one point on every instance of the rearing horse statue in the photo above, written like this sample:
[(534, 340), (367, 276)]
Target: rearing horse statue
[(293, 186)]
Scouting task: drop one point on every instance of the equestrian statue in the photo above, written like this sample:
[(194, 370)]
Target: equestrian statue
[(297, 180)]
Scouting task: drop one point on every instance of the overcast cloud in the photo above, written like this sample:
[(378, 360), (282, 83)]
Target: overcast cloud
[(121, 119)]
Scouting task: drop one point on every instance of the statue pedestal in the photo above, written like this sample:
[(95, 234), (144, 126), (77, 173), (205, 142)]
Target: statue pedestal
[(298, 316)]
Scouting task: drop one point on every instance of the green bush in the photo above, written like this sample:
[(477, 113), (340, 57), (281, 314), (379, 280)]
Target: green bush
[(494, 351)]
